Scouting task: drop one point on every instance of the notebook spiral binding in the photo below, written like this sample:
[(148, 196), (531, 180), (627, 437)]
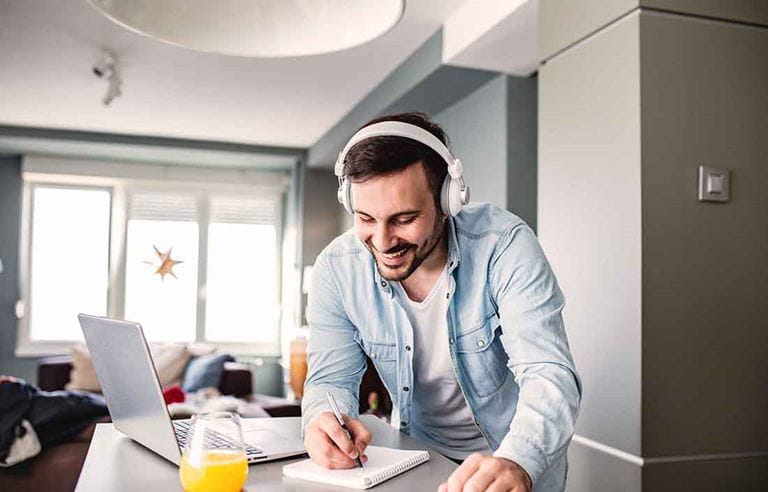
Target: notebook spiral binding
[(392, 471)]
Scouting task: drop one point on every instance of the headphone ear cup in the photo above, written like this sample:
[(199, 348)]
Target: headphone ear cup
[(445, 193), (344, 195), (450, 196), (456, 203)]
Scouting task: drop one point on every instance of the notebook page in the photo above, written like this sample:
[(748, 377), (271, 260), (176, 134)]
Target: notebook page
[(382, 464)]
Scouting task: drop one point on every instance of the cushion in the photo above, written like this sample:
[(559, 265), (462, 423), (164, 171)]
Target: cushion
[(196, 349), (204, 371), (170, 360), (83, 374)]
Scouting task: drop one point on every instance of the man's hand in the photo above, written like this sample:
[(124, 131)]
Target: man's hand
[(328, 444), (483, 472)]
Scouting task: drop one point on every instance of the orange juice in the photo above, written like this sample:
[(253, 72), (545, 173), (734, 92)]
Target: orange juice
[(216, 471)]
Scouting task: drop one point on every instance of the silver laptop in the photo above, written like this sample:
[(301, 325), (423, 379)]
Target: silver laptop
[(132, 390)]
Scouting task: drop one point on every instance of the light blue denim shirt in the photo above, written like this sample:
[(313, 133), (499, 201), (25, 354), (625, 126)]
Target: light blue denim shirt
[(505, 332)]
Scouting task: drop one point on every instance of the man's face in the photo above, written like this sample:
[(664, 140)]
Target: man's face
[(396, 218)]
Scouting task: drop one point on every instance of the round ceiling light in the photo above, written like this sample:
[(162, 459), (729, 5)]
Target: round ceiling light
[(258, 28)]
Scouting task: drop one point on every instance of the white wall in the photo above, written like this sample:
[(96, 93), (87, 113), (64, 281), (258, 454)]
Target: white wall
[(589, 221)]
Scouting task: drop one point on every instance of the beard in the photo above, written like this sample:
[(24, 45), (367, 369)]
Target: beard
[(413, 255)]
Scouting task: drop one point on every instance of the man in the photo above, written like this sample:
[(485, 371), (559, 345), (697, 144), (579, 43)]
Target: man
[(457, 308)]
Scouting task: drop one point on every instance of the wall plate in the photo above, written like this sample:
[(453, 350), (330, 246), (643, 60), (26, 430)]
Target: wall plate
[(714, 184)]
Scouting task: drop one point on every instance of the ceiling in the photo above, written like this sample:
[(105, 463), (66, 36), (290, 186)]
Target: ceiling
[(500, 36), (48, 48)]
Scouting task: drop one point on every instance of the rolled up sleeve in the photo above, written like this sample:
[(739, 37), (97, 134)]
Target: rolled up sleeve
[(336, 361), (530, 305)]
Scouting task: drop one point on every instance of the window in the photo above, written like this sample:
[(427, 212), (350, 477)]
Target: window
[(70, 240), (242, 274), (166, 306), (99, 250)]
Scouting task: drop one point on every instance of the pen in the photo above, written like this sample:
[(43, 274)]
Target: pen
[(337, 414)]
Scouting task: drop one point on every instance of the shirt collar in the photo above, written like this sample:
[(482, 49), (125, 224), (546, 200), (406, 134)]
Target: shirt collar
[(454, 253)]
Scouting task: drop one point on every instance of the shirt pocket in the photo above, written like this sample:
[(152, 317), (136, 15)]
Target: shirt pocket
[(380, 351), (384, 358), (481, 356)]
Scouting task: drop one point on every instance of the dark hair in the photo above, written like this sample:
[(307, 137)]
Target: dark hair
[(380, 156)]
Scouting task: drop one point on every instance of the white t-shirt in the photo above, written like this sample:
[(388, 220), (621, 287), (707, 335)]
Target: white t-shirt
[(439, 412)]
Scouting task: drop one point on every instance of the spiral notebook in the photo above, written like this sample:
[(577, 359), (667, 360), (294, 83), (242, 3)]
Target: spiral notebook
[(382, 464)]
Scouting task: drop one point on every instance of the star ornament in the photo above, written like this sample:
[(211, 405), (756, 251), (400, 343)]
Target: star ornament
[(164, 263)]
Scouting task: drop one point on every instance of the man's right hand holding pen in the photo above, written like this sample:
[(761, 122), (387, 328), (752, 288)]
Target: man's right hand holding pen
[(328, 444)]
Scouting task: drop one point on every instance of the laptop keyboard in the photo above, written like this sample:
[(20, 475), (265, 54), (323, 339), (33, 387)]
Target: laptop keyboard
[(215, 440)]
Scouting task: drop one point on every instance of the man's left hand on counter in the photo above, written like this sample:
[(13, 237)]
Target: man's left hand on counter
[(484, 472)]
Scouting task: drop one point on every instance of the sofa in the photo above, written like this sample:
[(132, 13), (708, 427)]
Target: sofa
[(58, 468), (53, 374)]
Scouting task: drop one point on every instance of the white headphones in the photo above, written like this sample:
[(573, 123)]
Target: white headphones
[(454, 193)]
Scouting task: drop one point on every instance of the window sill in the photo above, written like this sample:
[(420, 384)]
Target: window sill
[(43, 349)]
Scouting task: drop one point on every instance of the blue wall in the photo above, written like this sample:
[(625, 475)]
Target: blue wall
[(476, 126), (10, 216), (493, 132)]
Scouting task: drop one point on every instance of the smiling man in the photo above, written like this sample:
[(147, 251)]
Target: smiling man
[(456, 306)]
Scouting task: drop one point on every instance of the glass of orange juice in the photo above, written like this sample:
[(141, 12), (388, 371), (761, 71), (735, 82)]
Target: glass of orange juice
[(213, 458)]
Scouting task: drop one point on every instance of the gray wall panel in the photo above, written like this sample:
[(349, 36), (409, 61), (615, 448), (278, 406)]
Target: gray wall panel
[(322, 217), (754, 11), (321, 212), (476, 126), (522, 134), (744, 475), (441, 89), (705, 266), (589, 220), (10, 215), (590, 470), (564, 22)]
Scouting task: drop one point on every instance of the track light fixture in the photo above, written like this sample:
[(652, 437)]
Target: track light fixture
[(106, 68)]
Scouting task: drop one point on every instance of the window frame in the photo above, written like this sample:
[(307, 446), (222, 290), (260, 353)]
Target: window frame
[(25, 345), (121, 189)]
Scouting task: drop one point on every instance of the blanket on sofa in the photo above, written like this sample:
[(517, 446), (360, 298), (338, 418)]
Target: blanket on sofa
[(55, 416)]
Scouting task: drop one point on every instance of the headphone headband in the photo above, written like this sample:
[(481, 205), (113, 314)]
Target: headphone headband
[(454, 193), (400, 129)]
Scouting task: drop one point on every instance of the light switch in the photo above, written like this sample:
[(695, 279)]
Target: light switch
[(714, 184)]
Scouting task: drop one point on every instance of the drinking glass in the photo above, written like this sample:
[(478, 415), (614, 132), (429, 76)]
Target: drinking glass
[(213, 457)]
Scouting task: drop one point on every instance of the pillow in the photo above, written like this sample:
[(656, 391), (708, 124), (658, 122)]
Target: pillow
[(204, 371), (170, 360), (196, 349), (83, 374)]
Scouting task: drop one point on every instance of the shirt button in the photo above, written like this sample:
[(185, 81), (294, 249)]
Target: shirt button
[(383, 283), (448, 295), (373, 355), (481, 343), (450, 341), (403, 424), (408, 348), (405, 388)]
